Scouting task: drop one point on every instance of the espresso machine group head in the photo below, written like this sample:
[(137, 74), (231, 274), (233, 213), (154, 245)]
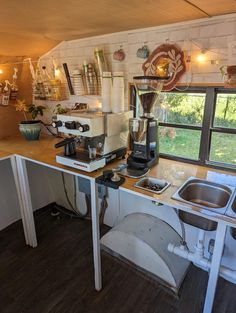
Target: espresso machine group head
[(144, 129)]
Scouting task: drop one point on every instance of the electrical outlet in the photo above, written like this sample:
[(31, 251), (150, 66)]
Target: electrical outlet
[(84, 186), (102, 191)]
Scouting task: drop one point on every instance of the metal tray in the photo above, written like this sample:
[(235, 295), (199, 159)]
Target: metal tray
[(152, 184)]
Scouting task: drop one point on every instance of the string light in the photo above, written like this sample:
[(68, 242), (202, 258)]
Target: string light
[(57, 72), (201, 58)]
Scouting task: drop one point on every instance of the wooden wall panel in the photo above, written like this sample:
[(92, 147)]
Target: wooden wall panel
[(9, 118)]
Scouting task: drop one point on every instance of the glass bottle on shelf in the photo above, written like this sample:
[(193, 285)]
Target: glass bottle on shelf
[(92, 80), (78, 83), (39, 87), (86, 78), (46, 82)]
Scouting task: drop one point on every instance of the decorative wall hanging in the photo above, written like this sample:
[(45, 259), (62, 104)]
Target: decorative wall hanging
[(119, 55), (229, 75), (14, 87), (166, 59), (143, 52), (5, 90)]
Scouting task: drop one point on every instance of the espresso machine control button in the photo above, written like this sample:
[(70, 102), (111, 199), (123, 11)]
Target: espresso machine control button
[(70, 125), (83, 128), (56, 124)]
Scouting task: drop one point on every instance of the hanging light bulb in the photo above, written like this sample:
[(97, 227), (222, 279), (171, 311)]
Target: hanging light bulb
[(201, 58), (57, 72), (1, 71)]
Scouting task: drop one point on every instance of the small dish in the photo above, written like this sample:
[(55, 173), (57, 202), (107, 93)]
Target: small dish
[(152, 184)]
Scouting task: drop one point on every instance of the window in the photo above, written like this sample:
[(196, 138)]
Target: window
[(223, 129), (196, 124)]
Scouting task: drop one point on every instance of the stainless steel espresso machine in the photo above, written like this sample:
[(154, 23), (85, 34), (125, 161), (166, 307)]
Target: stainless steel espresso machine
[(94, 138), (144, 129)]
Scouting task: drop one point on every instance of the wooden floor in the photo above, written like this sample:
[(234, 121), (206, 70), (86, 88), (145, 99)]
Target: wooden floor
[(57, 276)]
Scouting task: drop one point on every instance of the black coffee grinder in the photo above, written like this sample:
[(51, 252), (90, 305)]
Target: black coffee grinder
[(144, 130)]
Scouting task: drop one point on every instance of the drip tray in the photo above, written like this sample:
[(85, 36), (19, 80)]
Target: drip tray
[(134, 173), (152, 184)]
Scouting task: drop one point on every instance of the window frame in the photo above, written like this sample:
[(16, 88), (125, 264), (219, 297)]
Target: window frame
[(207, 128)]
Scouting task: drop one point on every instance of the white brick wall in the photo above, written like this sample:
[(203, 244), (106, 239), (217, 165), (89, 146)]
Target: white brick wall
[(214, 34)]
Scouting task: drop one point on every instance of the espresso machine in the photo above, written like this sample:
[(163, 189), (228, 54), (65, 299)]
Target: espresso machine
[(93, 139), (144, 129)]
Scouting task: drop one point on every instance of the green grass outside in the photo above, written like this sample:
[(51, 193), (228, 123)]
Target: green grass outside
[(186, 144)]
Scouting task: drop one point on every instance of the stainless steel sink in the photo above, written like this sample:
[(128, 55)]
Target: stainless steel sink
[(231, 211), (233, 207), (204, 194), (197, 221)]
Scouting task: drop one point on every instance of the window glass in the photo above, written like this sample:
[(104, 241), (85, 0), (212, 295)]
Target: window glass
[(223, 148), (186, 109), (181, 108), (225, 112), (179, 142)]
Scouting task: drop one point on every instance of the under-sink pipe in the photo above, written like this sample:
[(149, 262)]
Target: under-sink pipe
[(199, 249), (197, 257), (191, 256)]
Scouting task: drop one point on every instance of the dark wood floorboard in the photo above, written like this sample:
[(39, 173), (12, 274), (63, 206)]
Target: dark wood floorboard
[(57, 276)]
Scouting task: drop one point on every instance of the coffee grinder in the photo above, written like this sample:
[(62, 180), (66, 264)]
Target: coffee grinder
[(144, 129)]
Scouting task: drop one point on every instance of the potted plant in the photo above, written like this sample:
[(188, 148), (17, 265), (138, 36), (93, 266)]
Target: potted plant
[(30, 129)]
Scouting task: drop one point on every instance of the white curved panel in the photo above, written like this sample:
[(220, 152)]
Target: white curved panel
[(143, 240)]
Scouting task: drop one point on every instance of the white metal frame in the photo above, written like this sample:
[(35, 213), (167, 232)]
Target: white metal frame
[(24, 195), (19, 169), (215, 266), (18, 190), (217, 252), (96, 235)]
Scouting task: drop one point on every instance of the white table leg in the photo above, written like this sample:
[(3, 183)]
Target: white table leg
[(96, 235), (18, 190), (26, 204), (215, 266)]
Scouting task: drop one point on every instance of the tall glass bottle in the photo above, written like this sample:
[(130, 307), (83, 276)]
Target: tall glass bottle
[(39, 87), (46, 83)]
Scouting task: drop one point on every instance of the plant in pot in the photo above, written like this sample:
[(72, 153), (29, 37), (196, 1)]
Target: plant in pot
[(30, 129)]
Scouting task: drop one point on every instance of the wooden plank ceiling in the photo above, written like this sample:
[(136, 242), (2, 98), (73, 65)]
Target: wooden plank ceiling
[(33, 27)]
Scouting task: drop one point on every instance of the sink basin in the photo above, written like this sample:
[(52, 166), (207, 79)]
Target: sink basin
[(197, 221), (233, 207), (231, 211), (204, 194)]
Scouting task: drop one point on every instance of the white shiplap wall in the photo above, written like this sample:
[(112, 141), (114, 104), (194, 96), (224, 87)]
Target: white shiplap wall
[(214, 34)]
